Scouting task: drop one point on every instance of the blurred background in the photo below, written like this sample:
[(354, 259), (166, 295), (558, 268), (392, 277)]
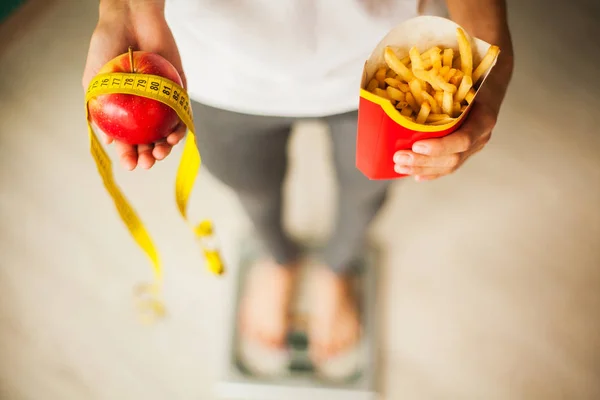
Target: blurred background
[(492, 275)]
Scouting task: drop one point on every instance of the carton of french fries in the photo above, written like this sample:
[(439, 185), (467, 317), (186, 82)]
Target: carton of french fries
[(419, 83)]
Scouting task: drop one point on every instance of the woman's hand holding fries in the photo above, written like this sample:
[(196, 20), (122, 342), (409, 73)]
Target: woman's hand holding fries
[(434, 88), (428, 89), (433, 158)]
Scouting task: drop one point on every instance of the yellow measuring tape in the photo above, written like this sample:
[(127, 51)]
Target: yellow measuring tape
[(149, 296)]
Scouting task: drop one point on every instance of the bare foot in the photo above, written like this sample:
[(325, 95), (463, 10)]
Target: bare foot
[(264, 309), (334, 325)]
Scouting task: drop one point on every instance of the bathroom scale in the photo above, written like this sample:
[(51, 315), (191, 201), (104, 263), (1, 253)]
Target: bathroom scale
[(296, 377)]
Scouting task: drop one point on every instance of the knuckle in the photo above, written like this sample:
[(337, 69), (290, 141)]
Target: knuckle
[(466, 142), (451, 170), (420, 161), (491, 120), (456, 165), (438, 148), (486, 138), (452, 160)]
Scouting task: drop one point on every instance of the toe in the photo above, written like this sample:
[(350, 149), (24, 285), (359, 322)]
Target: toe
[(267, 338), (320, 347)]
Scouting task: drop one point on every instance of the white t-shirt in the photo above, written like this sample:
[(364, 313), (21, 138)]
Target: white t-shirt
[(298, 58)]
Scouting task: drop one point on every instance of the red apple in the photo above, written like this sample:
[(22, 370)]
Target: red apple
[(135, 119)]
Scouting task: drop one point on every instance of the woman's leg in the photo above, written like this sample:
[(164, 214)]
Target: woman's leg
[(248, 154), (359, 198), (335, 324)]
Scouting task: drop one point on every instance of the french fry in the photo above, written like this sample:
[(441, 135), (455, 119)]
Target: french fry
[(466, 55), (402, 104), (463, 89), (432, 117), (393, 82), (404, 87), (406, 111), (382, 93), (470, 96), (410, 99), (447, 58), (380, 75), (424, 56), (416, 90), (448, 75), (373, 83), (439, 96), (435, 107), (443, 71), (436, 60), (416, 60), (457, 78), (427, 77), (427, 53), (422, 75), (442, 121), (433, 87), (442, 84), (486, 63), (447, 104), (394, 94), (396, 65), (456, 62), (423, 113), (456, 110), (433, 80)]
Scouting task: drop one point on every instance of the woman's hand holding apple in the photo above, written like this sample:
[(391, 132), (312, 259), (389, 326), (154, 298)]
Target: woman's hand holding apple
[(139, 24)]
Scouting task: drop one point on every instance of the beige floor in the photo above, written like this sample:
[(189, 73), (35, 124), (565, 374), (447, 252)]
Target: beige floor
[(492, 286)]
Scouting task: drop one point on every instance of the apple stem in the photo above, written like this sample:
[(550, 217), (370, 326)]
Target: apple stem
[(131, 59)]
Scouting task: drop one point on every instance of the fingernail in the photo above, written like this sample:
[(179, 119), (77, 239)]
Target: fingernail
[(402, 169), (402, 158), (421, 148)]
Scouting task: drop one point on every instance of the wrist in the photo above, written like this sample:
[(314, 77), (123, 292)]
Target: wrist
[(496, 85), (131, 8)]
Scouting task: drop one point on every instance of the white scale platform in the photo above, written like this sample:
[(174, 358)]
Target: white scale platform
[(300, 382)]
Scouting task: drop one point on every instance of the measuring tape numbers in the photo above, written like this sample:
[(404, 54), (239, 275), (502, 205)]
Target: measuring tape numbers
[(149, 295)]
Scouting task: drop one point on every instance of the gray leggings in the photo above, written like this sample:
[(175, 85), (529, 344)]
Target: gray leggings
[(249, 154)]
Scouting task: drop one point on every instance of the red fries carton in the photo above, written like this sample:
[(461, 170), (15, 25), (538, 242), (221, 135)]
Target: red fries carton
[(382, 130)]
